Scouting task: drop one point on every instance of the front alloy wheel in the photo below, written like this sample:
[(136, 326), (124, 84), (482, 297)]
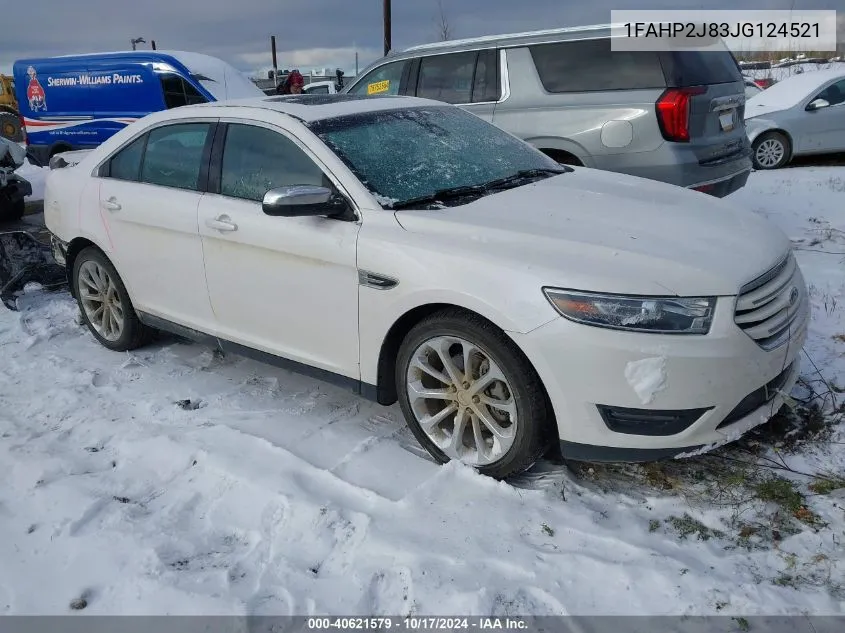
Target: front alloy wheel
[(462, 400), (771, 151), (469, 394)]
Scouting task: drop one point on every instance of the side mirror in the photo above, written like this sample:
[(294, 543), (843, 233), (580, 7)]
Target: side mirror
[(303, 200), (817, 104)]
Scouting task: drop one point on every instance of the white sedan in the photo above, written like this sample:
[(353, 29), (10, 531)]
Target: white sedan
[(411, 251)]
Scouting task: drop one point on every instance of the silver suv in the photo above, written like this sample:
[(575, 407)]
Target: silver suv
[(673, 116)]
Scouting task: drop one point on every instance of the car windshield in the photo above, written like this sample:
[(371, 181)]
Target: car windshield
[(431, 155)]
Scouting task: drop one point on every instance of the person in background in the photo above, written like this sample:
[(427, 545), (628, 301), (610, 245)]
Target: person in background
[(293, 84)]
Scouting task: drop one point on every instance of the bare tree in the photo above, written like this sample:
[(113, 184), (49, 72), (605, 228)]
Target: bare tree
[(444, 29)]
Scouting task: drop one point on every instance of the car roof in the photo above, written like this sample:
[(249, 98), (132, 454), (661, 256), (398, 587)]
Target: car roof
[(511, 39), (315, 107)]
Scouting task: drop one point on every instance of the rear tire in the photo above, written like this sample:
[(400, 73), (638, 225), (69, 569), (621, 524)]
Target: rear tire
[(770, 150), (104, 303), (10, 127), (508, 413)]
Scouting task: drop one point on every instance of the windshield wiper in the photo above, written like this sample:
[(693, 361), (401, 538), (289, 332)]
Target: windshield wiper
[(514, 180), (519, 178), (449, 193)]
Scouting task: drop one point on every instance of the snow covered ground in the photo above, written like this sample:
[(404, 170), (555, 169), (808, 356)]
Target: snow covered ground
[(174, 480)]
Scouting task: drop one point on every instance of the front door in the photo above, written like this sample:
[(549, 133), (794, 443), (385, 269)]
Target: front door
[(824, 129), (149, 200), (286, 286)]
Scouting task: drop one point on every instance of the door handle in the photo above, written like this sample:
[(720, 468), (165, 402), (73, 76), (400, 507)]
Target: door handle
[(111, 204), (222, 223)]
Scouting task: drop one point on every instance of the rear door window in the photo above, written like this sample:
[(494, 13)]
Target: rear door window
[(384, 80), (699, 68), (486, 86), (174, 155), (447, 78), (591, 65)]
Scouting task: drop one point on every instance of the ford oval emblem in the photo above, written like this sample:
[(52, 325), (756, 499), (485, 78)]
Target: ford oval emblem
[(793, 296)]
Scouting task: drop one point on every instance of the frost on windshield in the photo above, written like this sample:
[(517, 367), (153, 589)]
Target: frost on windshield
[(406, 154)]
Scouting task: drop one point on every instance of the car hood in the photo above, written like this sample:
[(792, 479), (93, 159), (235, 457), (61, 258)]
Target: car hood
[(754, 110), (607, 232)]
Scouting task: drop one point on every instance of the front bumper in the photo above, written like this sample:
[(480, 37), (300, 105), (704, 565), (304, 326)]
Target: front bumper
[(694, 393)]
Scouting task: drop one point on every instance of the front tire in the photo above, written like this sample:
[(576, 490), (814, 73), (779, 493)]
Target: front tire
[(770, 151), (469, 394), (104, 303)]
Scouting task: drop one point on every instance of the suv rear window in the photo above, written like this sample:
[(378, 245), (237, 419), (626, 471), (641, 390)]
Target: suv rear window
[(590, 65), (696, 68)]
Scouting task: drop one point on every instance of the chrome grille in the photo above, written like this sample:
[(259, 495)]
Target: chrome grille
[(769, 306)]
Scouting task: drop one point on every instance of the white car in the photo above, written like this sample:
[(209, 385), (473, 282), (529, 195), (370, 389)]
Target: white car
[(411, 251)]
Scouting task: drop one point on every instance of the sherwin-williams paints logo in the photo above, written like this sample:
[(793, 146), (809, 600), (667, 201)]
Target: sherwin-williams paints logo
[(34, 92)]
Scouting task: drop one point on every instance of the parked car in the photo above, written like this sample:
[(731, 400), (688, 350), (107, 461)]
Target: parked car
[(411, 251), (802, 114), (320, 87), (676, 117), (751, 88), (76, 102)]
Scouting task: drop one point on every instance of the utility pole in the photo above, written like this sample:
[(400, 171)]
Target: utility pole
[(387, 45), (153, 44), (275, 65)]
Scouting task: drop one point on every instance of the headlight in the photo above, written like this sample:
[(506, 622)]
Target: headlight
[(659, 315)]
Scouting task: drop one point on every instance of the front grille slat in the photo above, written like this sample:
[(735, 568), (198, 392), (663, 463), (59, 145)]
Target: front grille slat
[(768, 307), (768, 291)]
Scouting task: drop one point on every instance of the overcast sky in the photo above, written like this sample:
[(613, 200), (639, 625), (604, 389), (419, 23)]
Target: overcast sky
[(309, 33)]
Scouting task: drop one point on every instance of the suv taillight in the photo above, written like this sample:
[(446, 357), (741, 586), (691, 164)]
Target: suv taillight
[(673, 112)]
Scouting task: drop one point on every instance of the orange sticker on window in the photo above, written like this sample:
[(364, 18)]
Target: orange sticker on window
[(378, 87)]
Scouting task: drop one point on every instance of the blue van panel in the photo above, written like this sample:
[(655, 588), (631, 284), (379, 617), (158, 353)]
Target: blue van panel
[(80, 101)]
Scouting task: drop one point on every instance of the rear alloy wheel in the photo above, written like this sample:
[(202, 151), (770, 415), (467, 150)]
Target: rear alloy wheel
[(104, 303), (469, 394), (770, 151)]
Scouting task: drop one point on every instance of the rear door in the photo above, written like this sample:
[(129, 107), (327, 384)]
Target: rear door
[(717, 103)]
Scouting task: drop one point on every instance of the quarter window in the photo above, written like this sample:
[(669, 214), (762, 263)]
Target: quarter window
[(256, 160), (591, 65), (447, 78), (384, 80), (174, 155)]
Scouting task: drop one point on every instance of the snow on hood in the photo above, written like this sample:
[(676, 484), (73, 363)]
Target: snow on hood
[(607, 232), (789, 92)]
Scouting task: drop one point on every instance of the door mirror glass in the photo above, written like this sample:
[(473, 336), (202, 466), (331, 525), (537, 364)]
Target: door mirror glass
[(816, 104), (302, 200)]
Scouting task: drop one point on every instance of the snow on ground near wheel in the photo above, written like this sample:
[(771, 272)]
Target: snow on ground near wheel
[(174, 480)]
